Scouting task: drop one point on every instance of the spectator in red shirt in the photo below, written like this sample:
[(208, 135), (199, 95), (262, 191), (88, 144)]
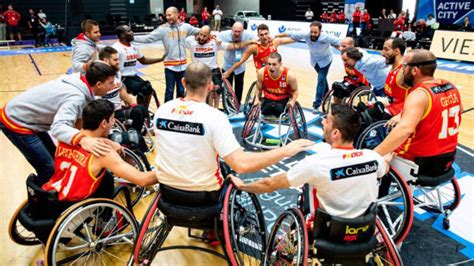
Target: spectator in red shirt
[(325, 17), (194, 21), (356, 19), (13, 20), (182, 15), (399, 23), (341, 17), (3, 35), (205, 16), (333, 18), (365, 20)]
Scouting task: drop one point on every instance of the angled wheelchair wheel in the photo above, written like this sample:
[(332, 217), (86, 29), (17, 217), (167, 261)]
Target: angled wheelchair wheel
[(20, 234), (395, 205), (135, 191), (327, 101), (385, 252), (288, 241), (95, 232), (449, 195), (151, 234), (229, 99), (249, 99), (298, 122), (251, 120), (362, 94), (372, 136), (244, 228)]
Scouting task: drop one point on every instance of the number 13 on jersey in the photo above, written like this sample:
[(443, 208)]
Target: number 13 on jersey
[(451, 118)]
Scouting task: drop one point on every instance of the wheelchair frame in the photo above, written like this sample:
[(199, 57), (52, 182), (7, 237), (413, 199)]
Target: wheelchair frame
[(361, 94)]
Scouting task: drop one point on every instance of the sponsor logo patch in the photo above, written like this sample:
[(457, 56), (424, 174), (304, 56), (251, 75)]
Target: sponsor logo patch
[(180, 126), (354, 170)]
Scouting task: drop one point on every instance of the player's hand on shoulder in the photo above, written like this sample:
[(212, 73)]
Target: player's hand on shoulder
[(96, 146), (297, 146), (114, 145)]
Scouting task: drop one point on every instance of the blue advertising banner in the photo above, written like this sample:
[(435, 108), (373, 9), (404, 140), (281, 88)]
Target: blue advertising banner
[(446, 12)]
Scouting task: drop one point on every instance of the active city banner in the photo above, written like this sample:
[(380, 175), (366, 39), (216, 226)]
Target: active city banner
[(280, 26), (455, 45), (446, 12)]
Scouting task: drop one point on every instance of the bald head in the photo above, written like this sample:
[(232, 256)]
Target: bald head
[(347, 42), (197, 77), (237, 30), (206, 29), (204, 35), (423, 59), (172, 15)]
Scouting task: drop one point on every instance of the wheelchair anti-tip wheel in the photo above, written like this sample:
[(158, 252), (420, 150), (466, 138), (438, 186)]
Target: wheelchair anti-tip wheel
[(229, 99), (92, 232), (20, 234), (244, 228), (395, 205), (288, 241)]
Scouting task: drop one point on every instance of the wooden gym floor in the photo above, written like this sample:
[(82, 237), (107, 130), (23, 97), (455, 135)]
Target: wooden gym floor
[(20, 72)]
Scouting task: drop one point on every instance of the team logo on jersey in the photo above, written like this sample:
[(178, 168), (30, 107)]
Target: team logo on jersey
[(182, 110), (180, 126), (442, 88), (352, 155), (354, 170)]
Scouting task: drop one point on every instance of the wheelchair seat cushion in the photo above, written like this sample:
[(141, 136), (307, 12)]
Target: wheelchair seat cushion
[(433, 181)]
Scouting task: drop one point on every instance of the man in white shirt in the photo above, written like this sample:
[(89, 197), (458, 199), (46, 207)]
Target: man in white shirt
[(191, 136), (129, 54), (217, 13), (204, 48), (309, 14), (346, 179)]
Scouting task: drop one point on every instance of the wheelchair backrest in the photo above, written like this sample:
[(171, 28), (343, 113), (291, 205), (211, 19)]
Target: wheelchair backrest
[(345, 230), (40, 200)]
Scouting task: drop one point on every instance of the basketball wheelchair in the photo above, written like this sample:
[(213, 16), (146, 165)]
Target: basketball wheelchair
[(299, 238), (95, 230), (290, 124), (230, 103), (234, 216)]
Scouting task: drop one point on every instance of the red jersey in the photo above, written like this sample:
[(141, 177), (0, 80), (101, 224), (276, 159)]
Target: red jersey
[(399, 24), (395, 91), (356, 16), (205, 15), (261, 59), (355, 77), (276, 89), (437, 132), (365, 18), (73, 178), (12, 17), (333, 18), (324, 17), (341, 17), (182, 16)]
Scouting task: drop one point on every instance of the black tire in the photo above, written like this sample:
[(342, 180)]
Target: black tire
[(296, 239), (372, 136), (362, 94), (136, 192), (249, 99), (394, 191), (251, 120), (244, 228), (229, 99), (298, 122), (327, 100)]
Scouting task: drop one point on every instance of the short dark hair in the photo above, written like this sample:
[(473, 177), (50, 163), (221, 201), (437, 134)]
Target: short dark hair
[(423, 56), (353, 53), (275, 55), (106, 52), (316, 24), (346, 120), (87, 25), (197, 76), (399, 43), (95, 112), (120, 30), (98, 71), (262, 27)]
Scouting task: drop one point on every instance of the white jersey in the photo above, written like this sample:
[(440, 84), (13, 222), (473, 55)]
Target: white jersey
[(206, 53), (191, 136), (343, 181), (128, 57), (113, 96)]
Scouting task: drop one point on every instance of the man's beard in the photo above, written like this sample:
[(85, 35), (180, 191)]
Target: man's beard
[(390, 60), (409, 79), (314, 38), (202, 42)]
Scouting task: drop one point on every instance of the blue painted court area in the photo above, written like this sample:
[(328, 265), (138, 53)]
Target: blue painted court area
[(428, 243)]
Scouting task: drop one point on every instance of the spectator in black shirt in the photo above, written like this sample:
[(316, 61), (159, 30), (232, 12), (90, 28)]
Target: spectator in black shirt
[(466, 25), (33, 24)]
